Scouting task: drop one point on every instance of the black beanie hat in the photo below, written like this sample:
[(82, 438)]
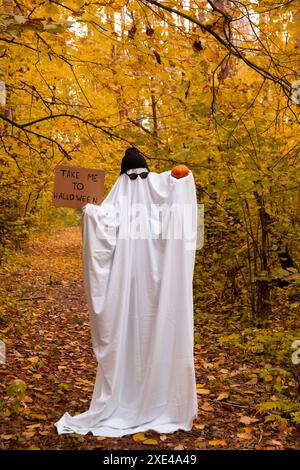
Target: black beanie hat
[(133, 159)]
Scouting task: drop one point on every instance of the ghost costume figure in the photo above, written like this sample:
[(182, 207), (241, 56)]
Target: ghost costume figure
[(138, 272)]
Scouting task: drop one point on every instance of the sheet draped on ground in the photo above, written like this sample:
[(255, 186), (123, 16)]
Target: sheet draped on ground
[(140, 300)]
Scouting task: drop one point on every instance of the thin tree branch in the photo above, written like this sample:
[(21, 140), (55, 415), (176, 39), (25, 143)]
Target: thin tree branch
[(285, 84)]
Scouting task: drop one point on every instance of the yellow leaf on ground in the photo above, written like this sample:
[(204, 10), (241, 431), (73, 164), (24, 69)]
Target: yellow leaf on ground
[(217, 443), (33, 358), (268, 378), (37, 376), (100, 438), (38, 416), (33, 426), (150, 442), (140, 436), (206, 406), (203, 391), (248, 429), (33, 447), (222, 396), (201, 445)]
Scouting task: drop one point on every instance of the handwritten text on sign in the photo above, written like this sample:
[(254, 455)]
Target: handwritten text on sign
[(76, 186)]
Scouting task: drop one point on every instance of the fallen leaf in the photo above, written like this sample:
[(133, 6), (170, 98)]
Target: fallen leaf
[(28, 434), (140, 436), (268, 378), (248, 420), (244, 436), (44, 433), (179, 447), (37, 376), (27, 399), (203, 391), (208, 365), (6, 437), (206, 406), (150, 442), (275, 443), (201, 445), (100, 438), (282, 427), (217, 443), (248, 429), (252, 381), (38, 416), (199, 426), (33, 426), (222, 396), (33, 358)]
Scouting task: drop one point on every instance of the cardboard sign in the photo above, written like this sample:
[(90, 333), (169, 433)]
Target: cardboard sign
[(76, 186)]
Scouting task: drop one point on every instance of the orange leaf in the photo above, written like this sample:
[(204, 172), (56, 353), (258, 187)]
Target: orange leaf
[(222, 396), (206, 406), (28, 434), (217, 443), (247, 420), (244, 436), (140, 436)]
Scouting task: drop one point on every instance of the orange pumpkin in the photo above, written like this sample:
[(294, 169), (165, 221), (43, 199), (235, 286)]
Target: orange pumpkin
[(180, 171)]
